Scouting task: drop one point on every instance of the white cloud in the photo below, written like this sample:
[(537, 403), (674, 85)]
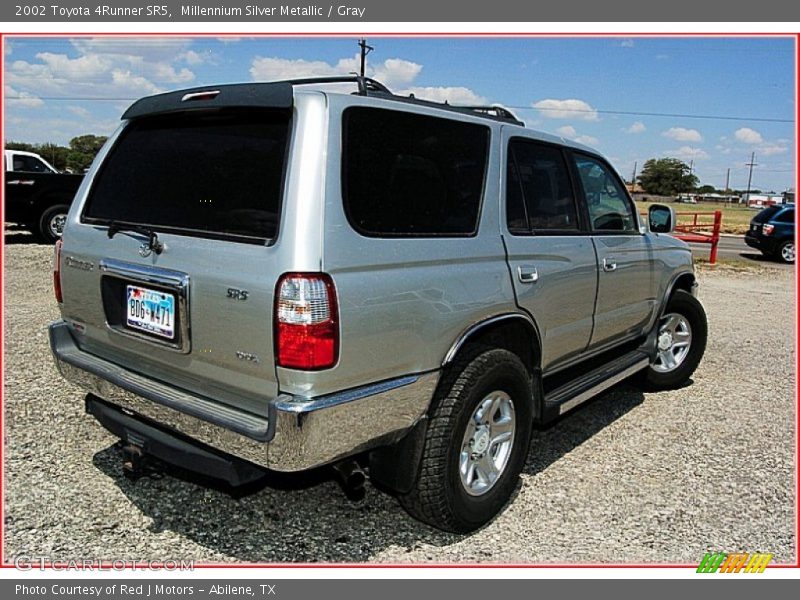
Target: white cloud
[(190, 57), (570, 108), (587, 139), (637, 127), (453, 95), (17, 99), (628, 43), (80, 111), (229, 40), (107, 68), (682, 134), (393, 72), (567, 131), (688, 153), (748, 136), (772, 149)]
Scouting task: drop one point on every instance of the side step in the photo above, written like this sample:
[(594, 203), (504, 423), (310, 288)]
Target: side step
[(588, 385)]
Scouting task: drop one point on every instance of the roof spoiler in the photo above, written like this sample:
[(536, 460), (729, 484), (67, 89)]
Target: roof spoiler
[(280, 95)]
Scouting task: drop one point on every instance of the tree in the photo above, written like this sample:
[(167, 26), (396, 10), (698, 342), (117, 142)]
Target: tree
[(666, 177), (82, 150), (706, 189)]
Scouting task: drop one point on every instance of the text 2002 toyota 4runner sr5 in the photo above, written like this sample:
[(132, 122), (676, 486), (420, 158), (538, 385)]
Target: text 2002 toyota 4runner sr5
[(276, 276)]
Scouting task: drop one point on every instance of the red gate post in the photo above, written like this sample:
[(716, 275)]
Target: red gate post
[(712, 259)]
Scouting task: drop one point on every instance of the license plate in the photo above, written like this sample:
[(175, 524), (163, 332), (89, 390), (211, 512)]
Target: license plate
[(151, 311)]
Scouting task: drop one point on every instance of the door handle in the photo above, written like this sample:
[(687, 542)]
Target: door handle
[(527, 274), (609, 264)]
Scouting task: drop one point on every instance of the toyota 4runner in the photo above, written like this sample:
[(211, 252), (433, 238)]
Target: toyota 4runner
[(280, 276)]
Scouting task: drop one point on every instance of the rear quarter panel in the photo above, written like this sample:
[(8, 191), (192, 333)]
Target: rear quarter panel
[(403, 302)]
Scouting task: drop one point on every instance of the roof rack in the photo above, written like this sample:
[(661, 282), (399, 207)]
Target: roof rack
[(372, 87), (365, 84)]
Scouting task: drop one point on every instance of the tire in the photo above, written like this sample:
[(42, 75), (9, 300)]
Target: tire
[(491, 378), (786, 251), (51, 223), (684, 315)]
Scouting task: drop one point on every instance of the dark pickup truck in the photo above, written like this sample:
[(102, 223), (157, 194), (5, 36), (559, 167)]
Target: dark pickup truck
[(37, 196)]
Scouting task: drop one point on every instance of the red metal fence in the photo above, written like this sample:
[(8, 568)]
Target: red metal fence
[(691, 228), (697, 230)]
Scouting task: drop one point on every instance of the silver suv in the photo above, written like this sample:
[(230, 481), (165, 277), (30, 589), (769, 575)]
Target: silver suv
[(282, 276)]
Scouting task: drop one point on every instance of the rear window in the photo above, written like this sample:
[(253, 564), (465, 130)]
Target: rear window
[(410, 175), (217, 175), (766, 214)]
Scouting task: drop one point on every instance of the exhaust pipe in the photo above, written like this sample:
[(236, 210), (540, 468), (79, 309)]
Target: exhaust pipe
[(352, 479)]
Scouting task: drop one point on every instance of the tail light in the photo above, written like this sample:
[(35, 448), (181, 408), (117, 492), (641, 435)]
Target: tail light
[(306, 322), (767, 229), (57, 272)]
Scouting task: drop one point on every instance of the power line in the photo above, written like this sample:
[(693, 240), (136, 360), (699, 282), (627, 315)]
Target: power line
[(517, 107), (651, 114)]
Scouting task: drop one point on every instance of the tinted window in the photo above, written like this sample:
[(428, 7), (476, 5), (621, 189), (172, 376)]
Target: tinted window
[(766, 214), (538, 192), (412, 175), (786, 216), (29, 164), (216, 175), (609, 209)]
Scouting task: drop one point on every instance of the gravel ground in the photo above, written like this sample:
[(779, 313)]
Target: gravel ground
[(629, 477)]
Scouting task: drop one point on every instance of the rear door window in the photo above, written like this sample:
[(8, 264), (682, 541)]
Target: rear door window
[(539, 196), (210, 175), (786, 216), (411, 175)]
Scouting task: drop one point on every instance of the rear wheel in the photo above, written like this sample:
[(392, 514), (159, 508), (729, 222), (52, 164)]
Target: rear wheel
[(476, 444), (51, 223), (786, 252), (681, 342)]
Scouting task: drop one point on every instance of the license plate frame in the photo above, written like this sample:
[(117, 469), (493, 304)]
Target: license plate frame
[(150, 312)]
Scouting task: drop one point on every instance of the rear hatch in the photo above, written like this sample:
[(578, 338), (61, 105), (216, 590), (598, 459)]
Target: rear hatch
[(757, 223), (171, 270)]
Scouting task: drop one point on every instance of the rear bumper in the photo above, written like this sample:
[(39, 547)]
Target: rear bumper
[(295, 434), (765, 244)]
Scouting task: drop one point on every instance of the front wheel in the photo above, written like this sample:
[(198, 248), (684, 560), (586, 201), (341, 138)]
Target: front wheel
[(51, 223), (476, 444), (681, 342)]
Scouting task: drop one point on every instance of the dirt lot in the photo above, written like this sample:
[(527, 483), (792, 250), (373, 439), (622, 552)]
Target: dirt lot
[(629, 477)]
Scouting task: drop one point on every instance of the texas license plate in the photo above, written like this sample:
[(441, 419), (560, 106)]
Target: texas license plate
[(151, 311)]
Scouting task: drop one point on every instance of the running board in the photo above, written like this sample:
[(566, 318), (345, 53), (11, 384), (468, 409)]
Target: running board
[(585, 387)]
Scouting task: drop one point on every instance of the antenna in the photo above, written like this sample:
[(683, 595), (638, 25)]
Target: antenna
[(365, 49)]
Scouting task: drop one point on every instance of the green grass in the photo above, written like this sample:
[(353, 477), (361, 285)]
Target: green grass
[(735, 217)]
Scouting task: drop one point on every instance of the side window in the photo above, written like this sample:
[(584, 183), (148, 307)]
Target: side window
[(609, 208), (29, 164), (410, 175), (786, 216), (539, 195)]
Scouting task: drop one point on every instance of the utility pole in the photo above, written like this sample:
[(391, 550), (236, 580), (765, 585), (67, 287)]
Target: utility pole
[(365, 49), (633, 179), (728, 181), (751, 164)]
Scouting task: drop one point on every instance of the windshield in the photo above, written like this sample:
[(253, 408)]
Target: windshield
[(212, 174)]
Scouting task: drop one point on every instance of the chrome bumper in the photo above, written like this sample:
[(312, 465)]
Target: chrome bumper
[(297, 433)]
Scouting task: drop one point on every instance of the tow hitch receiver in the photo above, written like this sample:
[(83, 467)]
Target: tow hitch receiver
[(133, 461)]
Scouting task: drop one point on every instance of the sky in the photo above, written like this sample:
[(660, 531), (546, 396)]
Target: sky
[(630, 98)]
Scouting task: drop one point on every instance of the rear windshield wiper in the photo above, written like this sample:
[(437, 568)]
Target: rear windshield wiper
[(153, 243)]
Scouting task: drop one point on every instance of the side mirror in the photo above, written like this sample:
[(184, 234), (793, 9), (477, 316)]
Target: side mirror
[(661, 218)]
